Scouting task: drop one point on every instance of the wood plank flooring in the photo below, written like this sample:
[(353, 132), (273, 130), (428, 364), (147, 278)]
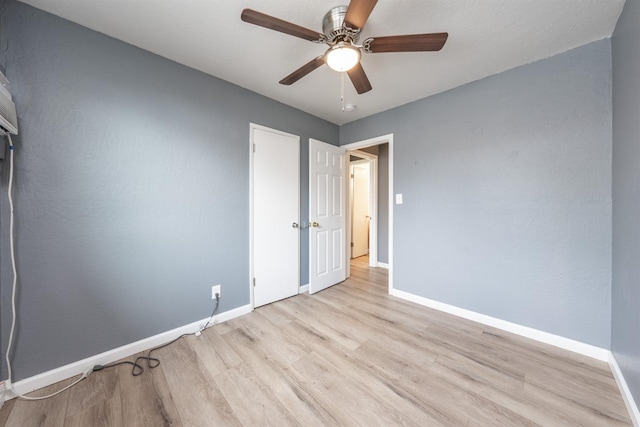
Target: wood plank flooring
[(349, 355)]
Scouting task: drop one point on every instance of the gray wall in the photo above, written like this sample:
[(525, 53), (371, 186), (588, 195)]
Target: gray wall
[(132, 190), (507, 194), (625, 310)]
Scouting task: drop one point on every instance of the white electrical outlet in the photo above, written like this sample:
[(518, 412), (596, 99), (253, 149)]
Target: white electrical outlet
[(215, 289)]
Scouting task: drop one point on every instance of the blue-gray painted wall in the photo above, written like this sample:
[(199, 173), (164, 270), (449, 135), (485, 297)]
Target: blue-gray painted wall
[(625, 310), (131, 189), (507, 194)]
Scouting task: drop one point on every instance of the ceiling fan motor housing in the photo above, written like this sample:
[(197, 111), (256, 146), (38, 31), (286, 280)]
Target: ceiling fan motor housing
[(333, 28)]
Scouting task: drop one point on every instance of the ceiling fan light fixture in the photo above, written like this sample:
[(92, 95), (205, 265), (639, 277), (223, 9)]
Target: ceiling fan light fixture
[(342, 57)]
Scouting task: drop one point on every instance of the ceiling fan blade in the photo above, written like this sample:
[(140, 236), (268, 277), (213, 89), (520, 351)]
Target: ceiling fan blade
[(359, 79), (408, 43), (303, 71), (258, 18), (358, 12)]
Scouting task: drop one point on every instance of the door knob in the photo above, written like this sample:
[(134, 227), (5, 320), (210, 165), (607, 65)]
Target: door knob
[(315, 224), (294, 225)]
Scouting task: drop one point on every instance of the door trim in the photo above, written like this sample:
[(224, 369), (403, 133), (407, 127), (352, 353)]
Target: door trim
[(388, 139), (373, 204), (252, 127)]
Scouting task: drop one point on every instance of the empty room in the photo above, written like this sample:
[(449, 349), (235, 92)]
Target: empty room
[(365, 212)]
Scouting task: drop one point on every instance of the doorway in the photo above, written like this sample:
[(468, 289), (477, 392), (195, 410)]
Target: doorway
[(381, 217), (362, 204)]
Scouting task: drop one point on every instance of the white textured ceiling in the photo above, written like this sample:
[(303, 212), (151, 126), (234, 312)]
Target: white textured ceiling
[(485, 38)]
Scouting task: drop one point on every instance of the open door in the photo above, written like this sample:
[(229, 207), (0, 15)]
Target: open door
[(327, 215)]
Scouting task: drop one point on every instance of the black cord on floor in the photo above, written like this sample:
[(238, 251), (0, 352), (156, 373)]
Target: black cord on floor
[(153, 362)]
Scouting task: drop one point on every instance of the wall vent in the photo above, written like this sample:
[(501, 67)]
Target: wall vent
[(8, 117)]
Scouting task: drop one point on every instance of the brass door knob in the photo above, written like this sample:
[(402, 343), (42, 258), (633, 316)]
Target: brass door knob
[(315, 224)]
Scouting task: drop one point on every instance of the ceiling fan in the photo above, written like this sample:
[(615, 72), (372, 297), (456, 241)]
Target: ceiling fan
[(341, 28)]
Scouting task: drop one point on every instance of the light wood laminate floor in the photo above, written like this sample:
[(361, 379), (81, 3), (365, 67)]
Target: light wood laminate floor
[(349, 355)]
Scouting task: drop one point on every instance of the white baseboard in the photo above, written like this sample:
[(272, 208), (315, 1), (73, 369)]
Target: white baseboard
[(632, 407), (304, 289), (44, 379), (383, 265), (535, 334), (2, 393)]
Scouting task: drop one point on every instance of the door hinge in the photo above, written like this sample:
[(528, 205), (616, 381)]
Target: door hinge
[(351, 244), (254, 148), (254, 281)]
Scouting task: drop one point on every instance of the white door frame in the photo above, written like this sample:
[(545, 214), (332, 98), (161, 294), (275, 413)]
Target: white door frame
[(372, 159), (253, 126), (368, 143)]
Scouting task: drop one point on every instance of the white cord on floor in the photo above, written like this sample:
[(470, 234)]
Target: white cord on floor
[(13, 258), (13, 293)]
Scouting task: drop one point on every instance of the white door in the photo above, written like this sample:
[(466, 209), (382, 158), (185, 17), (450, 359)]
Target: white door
[(327, 215), (275, 213), (360, 210)]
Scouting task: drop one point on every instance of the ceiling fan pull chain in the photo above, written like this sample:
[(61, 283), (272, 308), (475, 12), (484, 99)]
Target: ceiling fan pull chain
[(342, 90)]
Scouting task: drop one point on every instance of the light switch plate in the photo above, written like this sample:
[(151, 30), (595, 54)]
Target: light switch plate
[(399, 199)]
